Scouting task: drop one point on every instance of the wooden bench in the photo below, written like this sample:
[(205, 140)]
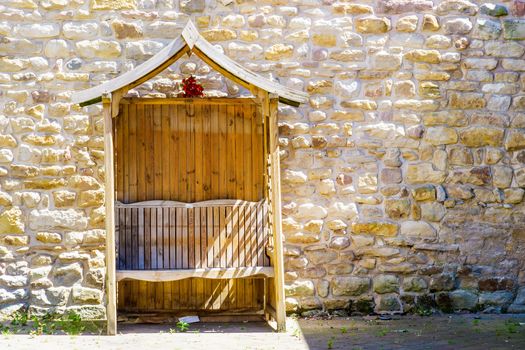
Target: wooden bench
[(169, 241)]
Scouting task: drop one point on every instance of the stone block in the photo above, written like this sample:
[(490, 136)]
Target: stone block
[(456, 7), (219, 34), (68, 219), (494, 10), (458, 26), (372, 24), (467, 101), (441, 135), (427, 56), (48, 237), (515, 140), (127, 30), (479, 136), (403, 6), (418, 229), (279, 51), (379, 228), (349, 286), (84, 295), (414, 284), (514, 29), (112, 4), (388, 304), (432, 211), (386, 284), (424, 173), (192, 6), (11, 221), (300, 288), (463, 300), (397, 208), (68, 275)]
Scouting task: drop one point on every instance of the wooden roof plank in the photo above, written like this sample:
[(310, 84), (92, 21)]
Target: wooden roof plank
[(190, 41)]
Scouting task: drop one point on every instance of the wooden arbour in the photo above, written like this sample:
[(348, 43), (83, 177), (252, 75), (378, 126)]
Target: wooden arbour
[(266, 94)]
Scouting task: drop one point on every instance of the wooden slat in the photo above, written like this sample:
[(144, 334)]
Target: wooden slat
[(179, 246), (135, 238), (197, 238), (147, 239), (217, 232), (132, 149), (215, 153), (210, 235), (153, 238), (173, 237), (185, 240)]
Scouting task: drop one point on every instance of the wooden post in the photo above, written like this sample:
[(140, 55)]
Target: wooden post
[(269, 111), (111, 288)]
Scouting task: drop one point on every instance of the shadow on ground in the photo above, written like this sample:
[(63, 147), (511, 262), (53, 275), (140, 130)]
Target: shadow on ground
[(468, 331)]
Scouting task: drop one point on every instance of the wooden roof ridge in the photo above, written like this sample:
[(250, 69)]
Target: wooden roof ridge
[(189, 41)]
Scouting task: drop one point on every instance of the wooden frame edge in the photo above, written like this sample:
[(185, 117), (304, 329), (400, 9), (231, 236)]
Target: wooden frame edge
[(109, 188), (269, 111)]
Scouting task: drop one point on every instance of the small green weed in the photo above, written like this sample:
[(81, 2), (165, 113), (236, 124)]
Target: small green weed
[(382, 332), (296, 333), (512, 326), (344, 330), (183, 326), (330, 343), (49, 323), (423, 310), (72, 324), (19, 318), (5, 330)]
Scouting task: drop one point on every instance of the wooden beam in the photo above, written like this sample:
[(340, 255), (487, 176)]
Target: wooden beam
[(269, 110), (211, 273), (109, 187), (203, 204), (189, 100), (116, 97)]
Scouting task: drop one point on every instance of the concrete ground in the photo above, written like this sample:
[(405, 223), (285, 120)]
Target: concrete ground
[(401, 332)]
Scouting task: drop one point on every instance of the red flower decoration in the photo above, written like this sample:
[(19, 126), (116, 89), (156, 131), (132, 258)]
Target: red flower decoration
[(190, 87)]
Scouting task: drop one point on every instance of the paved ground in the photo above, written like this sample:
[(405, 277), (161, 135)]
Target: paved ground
[(408, 332)]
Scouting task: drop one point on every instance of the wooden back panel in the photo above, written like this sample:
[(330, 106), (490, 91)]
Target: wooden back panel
[(184, 152), (189, 152), (159, 235)]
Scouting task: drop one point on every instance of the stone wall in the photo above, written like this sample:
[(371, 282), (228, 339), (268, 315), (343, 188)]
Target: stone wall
[(403, 179)]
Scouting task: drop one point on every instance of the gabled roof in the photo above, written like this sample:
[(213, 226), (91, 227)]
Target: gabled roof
[(189, 41)]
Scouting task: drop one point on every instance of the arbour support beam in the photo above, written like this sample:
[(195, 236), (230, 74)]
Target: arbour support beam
[(269, 112), (109, 189)]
